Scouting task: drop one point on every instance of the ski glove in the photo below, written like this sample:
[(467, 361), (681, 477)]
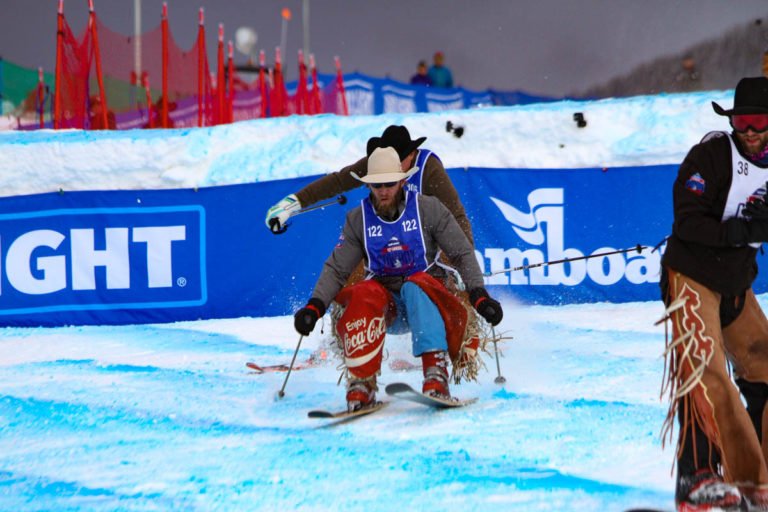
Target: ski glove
[(740, 232), (305, 319), (488, 308), (756, 210), (278, 215)]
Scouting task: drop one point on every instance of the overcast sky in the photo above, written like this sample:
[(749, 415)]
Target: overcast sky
[(546, 47)]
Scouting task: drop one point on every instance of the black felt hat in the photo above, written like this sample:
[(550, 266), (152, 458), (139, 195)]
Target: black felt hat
[(397, 137), (751, 97)]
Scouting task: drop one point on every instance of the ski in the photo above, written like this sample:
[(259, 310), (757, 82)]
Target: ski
[(258, 369), (406, 392), (346, 415), (403, 365), (397, 365)]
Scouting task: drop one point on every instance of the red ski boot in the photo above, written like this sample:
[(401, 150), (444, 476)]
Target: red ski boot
[(361, 393), (706, 491), (435, 367)]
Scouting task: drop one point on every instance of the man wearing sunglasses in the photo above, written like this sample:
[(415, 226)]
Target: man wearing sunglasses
[(430, 179), (398, 235), (709, 265)]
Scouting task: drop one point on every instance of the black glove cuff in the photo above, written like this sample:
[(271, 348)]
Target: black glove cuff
[(317, 304), (736, 232), (758, 231), (475, 294), (756, 209)]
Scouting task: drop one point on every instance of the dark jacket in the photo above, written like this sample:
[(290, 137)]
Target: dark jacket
[(440, 231), (418, 79), (698, 246), (435, 183)]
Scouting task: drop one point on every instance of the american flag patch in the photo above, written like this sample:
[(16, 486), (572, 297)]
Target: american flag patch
[(696, 184)]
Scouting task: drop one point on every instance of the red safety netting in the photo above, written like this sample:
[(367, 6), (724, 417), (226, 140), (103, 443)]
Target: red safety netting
[(72, 69), (151, 82), (180, 75)]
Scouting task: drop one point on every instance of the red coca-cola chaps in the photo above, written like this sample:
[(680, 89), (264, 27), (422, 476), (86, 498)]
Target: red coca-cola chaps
[(368, 308)]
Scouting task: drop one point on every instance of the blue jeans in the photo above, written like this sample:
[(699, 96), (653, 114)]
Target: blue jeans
[(419, 315)]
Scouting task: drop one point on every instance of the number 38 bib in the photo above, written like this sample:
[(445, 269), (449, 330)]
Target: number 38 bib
[(748, 183), (394, 248)]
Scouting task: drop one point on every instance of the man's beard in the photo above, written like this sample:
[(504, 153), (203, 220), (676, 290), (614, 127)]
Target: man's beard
[(390, 211)]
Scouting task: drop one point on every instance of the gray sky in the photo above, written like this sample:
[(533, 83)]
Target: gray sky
[(544, 47)]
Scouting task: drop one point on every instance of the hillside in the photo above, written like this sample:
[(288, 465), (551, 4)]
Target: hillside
[(719, 63)]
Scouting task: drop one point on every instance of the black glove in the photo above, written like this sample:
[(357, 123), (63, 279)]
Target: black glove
[(740, 232), (305, 319), (488, 308), (756, 210)]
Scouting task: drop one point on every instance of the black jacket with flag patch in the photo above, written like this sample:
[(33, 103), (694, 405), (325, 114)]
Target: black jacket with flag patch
[(698, 246)]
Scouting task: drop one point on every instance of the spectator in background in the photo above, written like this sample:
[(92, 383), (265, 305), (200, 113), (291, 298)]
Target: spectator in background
[(439, 74), (156, 120), (765, 63), (421, 77), (96, 117), (689, 77)]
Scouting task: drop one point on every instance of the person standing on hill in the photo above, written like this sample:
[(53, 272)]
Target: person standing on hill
[(440, 75), (421, 77), (709, 265)]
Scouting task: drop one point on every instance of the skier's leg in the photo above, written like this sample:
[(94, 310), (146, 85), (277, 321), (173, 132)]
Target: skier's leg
[(746, 340), (703, 388), (428, 337), (756, 396), (361, 327)]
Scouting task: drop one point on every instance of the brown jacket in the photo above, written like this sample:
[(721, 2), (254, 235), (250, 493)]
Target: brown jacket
[(435, 182)]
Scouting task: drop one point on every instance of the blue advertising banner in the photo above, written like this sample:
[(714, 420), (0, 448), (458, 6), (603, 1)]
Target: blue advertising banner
[(367, 95), (525, 217), (115, 257)]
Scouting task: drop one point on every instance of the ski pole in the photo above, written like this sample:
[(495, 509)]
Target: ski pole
[(499, 377), (342, 199), (274, 224), (281, 393), (639, 248)]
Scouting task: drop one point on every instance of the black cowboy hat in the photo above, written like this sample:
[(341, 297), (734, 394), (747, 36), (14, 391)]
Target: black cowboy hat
[(751, 97), (396, 137)]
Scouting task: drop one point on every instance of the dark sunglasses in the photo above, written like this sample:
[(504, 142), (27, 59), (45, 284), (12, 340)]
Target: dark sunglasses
[(384, 185), (756, 122)]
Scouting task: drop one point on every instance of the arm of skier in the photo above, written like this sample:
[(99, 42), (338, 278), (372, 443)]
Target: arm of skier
[(343, 260), (325, 187), (437, 183), (695, 195)]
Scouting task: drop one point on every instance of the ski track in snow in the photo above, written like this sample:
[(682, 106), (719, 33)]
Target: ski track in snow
[(161, 417)]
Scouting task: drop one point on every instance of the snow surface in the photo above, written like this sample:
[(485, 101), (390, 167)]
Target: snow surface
[(167, 417)]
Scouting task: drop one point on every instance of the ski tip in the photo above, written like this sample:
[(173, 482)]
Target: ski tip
[(341, 415), (398, 387), (254, 367), (320, 414)]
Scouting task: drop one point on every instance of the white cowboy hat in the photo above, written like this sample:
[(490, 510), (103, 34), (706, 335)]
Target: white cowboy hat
[(384, 167)]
